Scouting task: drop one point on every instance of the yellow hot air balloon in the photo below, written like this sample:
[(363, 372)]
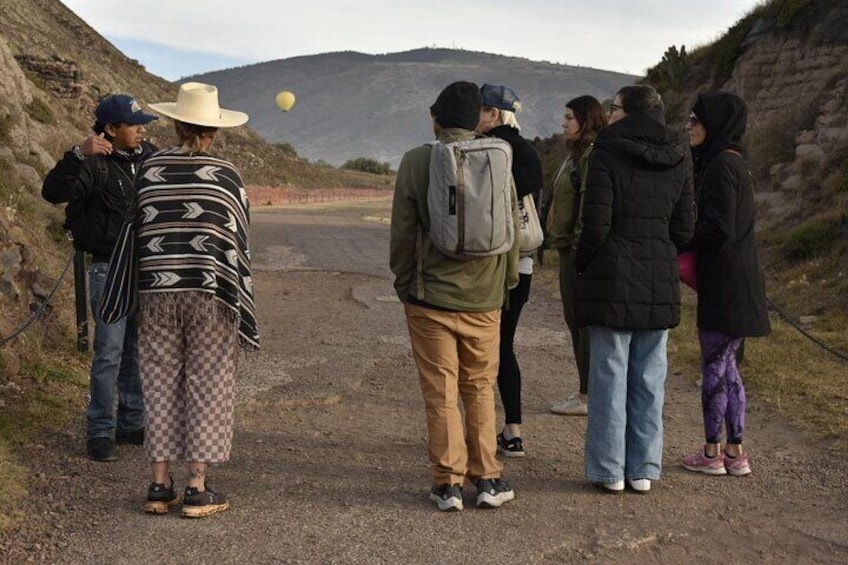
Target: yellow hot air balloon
[(285, 100)]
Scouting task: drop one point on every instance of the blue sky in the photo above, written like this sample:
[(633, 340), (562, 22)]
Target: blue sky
[(180, 38)]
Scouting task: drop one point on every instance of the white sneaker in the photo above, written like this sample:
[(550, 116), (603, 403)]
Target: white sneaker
[(641, 486), (615, 487), (573, 406)]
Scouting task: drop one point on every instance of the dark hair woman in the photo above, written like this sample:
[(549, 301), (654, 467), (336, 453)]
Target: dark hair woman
[(584, 118), (730, 282), (637, 216)]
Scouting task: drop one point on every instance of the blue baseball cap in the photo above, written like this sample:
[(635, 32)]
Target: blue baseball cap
[(122, 109), (501, 97)]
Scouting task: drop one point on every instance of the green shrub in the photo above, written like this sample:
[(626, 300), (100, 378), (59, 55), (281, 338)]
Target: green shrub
[(367, 165), (287, 149), (5, 128), (786, 10), (41, 112), (811, 240), (672, 70)]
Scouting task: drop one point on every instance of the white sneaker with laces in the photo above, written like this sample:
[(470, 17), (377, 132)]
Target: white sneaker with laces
[(572, 406)]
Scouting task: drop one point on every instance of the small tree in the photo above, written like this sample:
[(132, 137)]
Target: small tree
[(671, 72), (368, 166)]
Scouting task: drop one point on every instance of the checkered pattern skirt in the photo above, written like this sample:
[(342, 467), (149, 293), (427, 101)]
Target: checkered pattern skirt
[(187, 351)]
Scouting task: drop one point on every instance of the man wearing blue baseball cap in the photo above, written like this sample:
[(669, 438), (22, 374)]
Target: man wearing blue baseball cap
[(96, 179)]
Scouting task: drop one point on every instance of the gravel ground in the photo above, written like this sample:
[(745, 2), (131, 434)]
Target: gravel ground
[(329, 462)]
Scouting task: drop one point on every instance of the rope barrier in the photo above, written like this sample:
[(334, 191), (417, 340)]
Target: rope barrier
[(41, 311), (804, 332)]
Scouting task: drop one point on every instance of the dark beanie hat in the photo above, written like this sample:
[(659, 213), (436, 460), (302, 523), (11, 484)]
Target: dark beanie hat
[(458, 106)]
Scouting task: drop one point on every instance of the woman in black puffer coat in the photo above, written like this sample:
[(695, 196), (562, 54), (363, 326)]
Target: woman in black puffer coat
[(637, 215), (731, 287)]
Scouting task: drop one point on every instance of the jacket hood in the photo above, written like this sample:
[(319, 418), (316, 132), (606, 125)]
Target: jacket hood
[(644, 141), (725, 117)]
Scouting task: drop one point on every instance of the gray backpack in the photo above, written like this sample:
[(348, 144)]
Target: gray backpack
[(469, 198)]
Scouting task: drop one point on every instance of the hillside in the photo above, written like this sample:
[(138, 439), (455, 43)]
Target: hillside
[(789, 61), (53, 70), (356, 105)]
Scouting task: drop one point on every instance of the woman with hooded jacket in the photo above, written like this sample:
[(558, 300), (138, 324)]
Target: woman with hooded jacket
[(637, 215), (730, 282)]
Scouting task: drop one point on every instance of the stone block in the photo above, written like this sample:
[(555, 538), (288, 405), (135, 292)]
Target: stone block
[(809, 152)]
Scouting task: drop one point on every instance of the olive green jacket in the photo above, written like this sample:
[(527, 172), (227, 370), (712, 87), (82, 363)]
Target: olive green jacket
[(478, 285), (564, 225)]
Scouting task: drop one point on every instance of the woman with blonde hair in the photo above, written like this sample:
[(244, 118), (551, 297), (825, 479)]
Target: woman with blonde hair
[(497, 119), (195, 299), (584, 118)]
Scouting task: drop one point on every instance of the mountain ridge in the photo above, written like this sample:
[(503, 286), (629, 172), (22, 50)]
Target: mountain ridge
[(388, 96)]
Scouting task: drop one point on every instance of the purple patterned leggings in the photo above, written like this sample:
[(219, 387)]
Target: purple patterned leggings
[(722, 391)]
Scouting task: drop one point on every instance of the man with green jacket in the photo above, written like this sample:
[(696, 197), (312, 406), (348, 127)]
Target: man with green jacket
[(453, 314)]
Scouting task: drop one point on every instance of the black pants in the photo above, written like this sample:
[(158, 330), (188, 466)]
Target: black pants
[(509, 374)]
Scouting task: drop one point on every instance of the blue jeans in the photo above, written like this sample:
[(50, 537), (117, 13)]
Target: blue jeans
[(113, 366), (624, 434)]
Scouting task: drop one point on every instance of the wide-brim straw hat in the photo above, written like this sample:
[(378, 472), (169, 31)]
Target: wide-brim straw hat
[(197, 103)]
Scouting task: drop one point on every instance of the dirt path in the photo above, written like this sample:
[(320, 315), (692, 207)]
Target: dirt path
[(329, 462)]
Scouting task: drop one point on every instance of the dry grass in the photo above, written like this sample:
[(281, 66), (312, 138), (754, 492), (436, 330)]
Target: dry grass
[(786, 370)]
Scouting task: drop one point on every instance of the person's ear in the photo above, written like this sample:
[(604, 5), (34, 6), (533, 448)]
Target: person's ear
[(110, 130)]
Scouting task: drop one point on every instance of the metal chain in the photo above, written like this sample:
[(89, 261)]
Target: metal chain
[(40, 312)]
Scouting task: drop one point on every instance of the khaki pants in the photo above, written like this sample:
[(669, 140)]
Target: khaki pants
[(457, 356)]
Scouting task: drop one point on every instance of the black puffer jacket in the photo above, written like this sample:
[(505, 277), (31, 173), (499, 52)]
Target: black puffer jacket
[(99, 191), (731, 286), (637, 214)]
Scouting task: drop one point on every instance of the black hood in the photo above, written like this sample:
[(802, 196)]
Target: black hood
[(643, 140), (725, 117)]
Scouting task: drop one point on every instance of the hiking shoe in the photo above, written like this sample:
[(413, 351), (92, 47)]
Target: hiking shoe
[(700, 463), (640, 486), (614, 487), (160, 498), (101, 449), (491, 493), (510, 447), (447, 497), (197, 504), (737, 466), (572, 406), (135, 437)]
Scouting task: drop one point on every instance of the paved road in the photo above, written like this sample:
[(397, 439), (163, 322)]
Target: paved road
[(329, 461)]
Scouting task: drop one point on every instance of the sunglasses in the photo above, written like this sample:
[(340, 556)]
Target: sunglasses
[(613, 108)]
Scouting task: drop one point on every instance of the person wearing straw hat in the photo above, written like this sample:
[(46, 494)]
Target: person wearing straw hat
[(195, 299)]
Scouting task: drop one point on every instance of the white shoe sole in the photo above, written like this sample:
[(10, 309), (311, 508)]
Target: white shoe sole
[(486, 500), (508, 453), (452, 504), (706, 470)]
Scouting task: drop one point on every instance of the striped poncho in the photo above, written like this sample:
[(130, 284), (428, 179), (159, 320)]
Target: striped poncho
[(192, 223)]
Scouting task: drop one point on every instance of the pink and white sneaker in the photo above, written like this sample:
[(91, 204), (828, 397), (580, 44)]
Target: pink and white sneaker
[(737, 466), (700, 463)]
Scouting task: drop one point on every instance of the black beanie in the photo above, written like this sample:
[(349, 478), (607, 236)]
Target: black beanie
[(458, 106)]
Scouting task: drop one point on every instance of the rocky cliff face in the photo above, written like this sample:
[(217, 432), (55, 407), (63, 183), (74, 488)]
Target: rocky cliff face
[(798, 100)]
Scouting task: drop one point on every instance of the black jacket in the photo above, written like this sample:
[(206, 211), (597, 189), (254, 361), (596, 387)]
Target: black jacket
[(526, 165), (99, 192), (637, 214), (731, 286)]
